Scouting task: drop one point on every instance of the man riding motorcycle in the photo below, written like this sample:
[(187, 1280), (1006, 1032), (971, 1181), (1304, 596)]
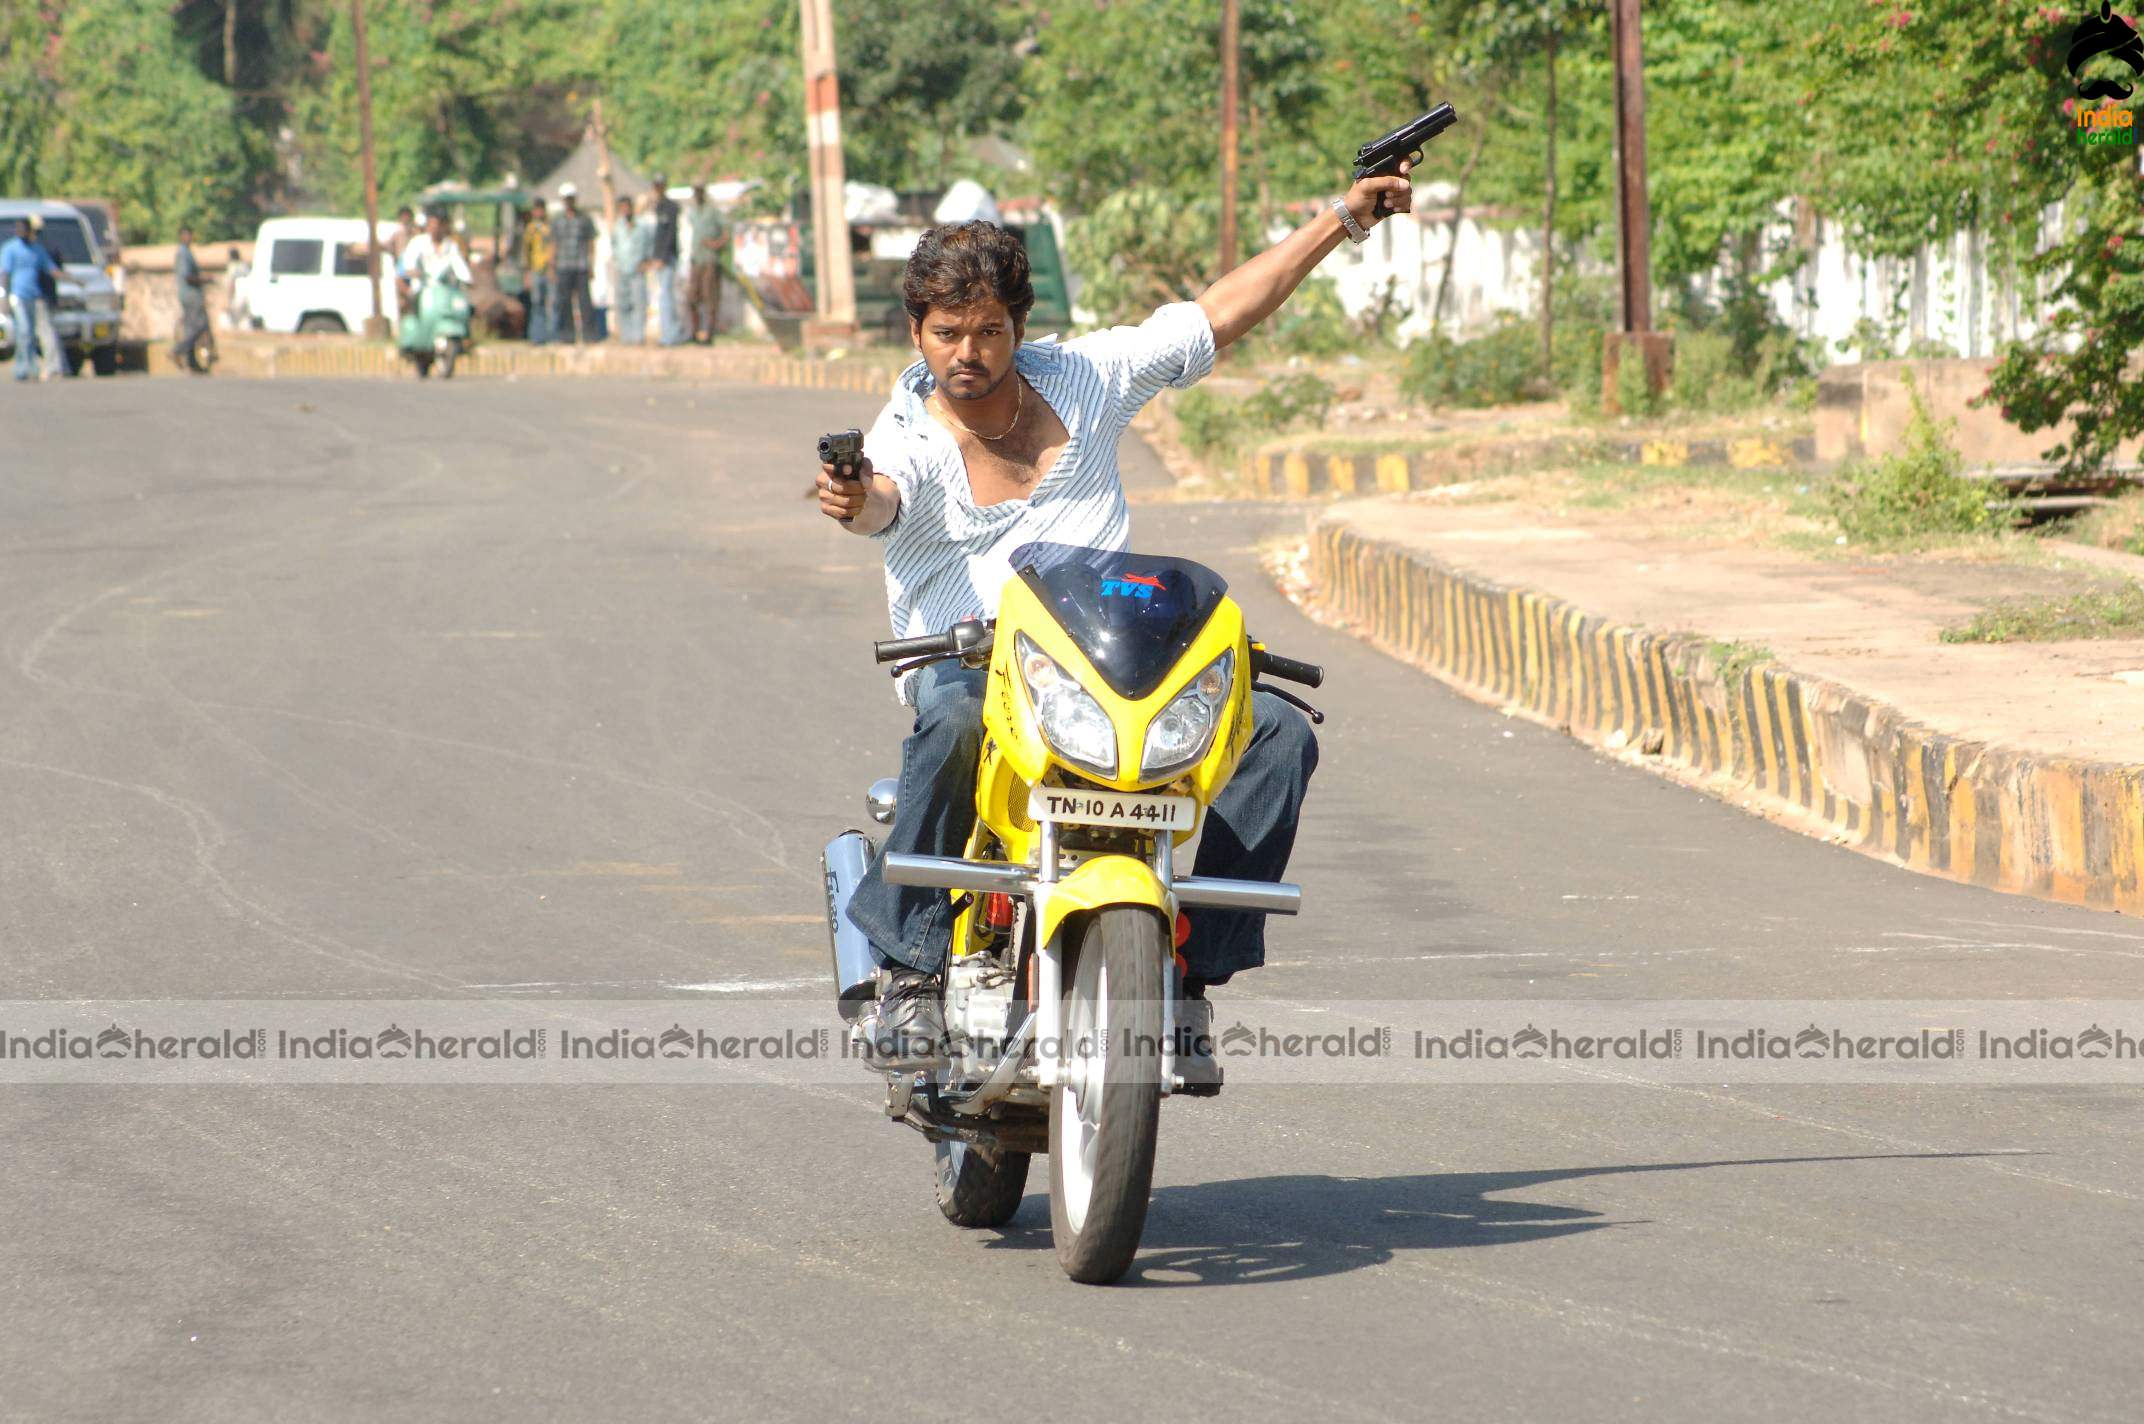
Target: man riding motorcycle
[(430, 255), (991, 443)]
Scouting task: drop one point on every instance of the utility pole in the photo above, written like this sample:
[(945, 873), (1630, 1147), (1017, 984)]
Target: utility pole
[(1231, 52), (829, 203), (605, 176), (1634, 218), (376, 326), (1548, 225), (1634, 211)]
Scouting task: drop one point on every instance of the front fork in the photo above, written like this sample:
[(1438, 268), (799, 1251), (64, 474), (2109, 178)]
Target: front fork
[(1048, 1008)]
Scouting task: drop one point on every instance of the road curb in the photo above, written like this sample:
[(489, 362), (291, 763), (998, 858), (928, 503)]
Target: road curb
[(1298, 469), (331, 358), (1815, 754)]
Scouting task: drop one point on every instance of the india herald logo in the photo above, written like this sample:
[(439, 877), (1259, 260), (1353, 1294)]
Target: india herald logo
[(1141, 586), (2105, 34)]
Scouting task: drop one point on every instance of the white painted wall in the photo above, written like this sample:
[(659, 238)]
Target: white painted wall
[(1954, 291)]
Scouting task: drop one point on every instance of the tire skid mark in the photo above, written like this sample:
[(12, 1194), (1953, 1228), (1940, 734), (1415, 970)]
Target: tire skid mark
[(209, 837)]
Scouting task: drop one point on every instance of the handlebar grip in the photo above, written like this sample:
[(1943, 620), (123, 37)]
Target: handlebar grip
[(894, 650), (1288, 669)]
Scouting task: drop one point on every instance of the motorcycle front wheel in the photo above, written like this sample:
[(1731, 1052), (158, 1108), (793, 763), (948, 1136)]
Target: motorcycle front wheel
[(448, 357), (1105, 1114)]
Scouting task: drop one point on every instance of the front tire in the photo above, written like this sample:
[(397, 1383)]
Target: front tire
[(974, 1192), (448, 357), (1105, 1116)]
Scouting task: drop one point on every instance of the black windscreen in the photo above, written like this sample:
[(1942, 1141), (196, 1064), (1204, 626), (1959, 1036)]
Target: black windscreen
[(1131, 614)]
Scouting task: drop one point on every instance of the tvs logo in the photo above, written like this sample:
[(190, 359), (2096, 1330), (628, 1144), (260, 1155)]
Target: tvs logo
[(2105, 34), (1140, 586)]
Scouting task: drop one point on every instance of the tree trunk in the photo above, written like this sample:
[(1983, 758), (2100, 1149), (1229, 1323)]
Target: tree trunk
[(230, 44), (1451, 237), (1548, 230)]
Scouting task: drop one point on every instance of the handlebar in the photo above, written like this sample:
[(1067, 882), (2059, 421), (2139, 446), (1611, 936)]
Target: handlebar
[(893, 650), (969, 640), (1287, 669)]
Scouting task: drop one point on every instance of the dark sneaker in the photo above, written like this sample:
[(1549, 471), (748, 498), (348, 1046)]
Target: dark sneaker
[(1195, 1065), (907, 1027)]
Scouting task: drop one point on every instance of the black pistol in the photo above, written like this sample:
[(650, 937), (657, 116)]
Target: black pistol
[(1382, 157), (843, 450)]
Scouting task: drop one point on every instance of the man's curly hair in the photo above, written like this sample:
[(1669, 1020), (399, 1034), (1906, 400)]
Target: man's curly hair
[(960, 264)]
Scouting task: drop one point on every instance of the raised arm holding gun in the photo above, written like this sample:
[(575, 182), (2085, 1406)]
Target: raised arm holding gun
[(968, 346)]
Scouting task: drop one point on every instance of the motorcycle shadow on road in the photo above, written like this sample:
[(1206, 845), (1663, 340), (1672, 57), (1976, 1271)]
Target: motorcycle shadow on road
[(1276, 1230)]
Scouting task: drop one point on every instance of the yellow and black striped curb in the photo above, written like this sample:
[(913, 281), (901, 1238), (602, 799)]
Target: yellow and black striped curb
[(1869, 776), (328, 357), (1301, 470)]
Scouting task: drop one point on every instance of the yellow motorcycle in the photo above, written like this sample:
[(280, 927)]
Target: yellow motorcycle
[(1117, 705)]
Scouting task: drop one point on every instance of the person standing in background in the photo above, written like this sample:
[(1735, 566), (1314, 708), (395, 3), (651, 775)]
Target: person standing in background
[(662, 258), (573, 242), (405, 229), (193, 306), (631, 239), (25, 263), (709, 234), (536, 274), (237, 306), (49, 344)]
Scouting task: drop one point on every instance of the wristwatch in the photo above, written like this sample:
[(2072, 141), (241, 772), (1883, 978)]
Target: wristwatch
[(1356, 231)]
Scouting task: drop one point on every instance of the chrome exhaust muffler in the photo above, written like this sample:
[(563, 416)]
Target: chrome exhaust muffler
[(847, 857)]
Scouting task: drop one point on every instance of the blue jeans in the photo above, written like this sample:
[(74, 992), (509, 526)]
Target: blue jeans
[(1249, 832), (669, 317), (539, 308), (629, 305), (25, 336)]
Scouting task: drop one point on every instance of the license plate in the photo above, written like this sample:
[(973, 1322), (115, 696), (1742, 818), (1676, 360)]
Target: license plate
[(1139, 812)]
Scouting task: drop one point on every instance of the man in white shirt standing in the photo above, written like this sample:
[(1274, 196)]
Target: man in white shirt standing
[(990, 443)]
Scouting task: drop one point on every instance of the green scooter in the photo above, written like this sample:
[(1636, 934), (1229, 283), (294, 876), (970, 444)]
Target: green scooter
[(436, 327)]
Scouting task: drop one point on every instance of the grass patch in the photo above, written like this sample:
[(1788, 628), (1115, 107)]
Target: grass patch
[(1734, 660), (1918, 494), (2107, 613)]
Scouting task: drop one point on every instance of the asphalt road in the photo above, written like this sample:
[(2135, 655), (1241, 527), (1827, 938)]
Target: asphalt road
[(386, 690)]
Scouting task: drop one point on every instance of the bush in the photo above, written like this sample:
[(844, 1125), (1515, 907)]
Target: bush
[(1707, 374), (1633, 393), (1495, 369), (1206, 423), (1312, 323), (1919, 492), (1214, 426), (1140, 249)]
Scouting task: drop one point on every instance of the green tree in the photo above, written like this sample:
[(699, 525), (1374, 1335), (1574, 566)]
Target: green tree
[(918, 81), (1127, 96), (703, 88), (29, 94), (138, 121)]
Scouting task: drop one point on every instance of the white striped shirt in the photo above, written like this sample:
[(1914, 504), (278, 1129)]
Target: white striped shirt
[(947, 558)]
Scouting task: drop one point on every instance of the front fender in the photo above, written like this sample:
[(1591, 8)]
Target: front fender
[(1105, 880)]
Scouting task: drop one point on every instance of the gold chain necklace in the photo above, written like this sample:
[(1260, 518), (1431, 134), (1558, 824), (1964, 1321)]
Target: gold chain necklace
[(1019, 404)]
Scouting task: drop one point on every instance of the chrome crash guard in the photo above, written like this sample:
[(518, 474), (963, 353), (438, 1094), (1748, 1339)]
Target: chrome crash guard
[(1034, 884)]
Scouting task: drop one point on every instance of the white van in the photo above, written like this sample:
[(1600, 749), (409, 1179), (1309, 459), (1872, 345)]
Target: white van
[(308, 275)]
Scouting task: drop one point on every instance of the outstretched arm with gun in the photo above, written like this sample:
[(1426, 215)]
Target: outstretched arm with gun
[(1248, 295), (850, 493)]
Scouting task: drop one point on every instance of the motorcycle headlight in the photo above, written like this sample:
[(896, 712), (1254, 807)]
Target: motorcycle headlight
[(1073, 721), (1182, 731)]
